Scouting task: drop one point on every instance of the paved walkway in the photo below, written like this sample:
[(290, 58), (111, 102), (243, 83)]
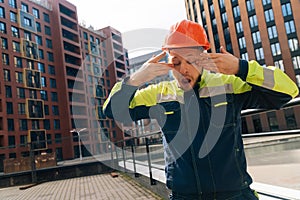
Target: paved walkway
[(96, 187)]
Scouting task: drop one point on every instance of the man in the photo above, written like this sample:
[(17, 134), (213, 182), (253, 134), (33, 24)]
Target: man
[(199, 112)]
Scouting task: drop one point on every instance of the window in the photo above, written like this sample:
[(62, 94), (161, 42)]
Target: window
[(27, 35), (16, 46), (12, 3), (298, 80), (6, 74), (4, 43), (23, 125), (13, 17), (269, 15), (10, 124), (2, 27), (47, 124), (43, 81), (273, 123), (41, 67), (55, 110), (54, 96), (275, 48), (39, 40), (36, 13), (52, 83), (24, 7), (23, 140), (259, 54), (11, 141), (21, 108), (293, 44), (47, 30), (272, 32), (46, 109), (9, 108), (44, 95), (15, 32), (49, 43), (296, 62), (5, 59), (50, 56), (242, 42), (290, 27), (19, 77), (38, 26), (224, 18), (2, 12), (57, 138), (56, 124), (256, 37), (245, 56), (27, 22), (253, 21), (250, 5), (279, 64), (51, 70), (18, 62), (46, 17), (239, 27), (286, 9), (236, 11), (35, 124), (266, 2), (21, 93), (41, 54)]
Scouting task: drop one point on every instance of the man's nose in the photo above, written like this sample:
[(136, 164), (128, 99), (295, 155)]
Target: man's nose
[(183, 68)]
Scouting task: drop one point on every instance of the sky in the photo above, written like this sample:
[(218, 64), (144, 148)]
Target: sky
[(143, 23)]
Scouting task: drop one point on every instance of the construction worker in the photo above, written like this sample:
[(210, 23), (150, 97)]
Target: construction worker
[(200, 111)]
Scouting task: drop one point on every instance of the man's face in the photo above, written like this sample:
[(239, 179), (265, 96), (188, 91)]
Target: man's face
[(186, 67)]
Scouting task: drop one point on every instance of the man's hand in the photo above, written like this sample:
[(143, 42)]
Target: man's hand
[(223, 62), (150, 70)]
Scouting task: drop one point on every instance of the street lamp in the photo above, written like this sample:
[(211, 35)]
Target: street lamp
[(79, 146)]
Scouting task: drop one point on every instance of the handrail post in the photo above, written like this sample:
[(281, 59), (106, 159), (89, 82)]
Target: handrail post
[(123, 154), (133, 157), (152, 181)]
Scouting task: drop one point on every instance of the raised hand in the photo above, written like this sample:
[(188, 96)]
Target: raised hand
[(150, 70)]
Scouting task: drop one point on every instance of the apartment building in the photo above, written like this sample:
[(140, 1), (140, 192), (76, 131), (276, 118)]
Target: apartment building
[(266, 31), (54, 77)]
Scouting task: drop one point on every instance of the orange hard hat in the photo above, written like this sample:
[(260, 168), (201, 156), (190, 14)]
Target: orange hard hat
[(186, 34)]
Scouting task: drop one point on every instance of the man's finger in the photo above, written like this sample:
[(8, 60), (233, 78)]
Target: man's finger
[(158, 57)]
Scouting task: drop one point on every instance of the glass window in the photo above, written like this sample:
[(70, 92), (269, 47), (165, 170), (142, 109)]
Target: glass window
[(54, 96), (24, 7), (50, 56), (6, 74), (41, 54), (13, 17), (2, 12), (275, 48), (38, 26), (36, 13), (242, 42), (9, 108), (279, 64), (52, 83), (250, 5), (49, 43), (269, 15), (16, 46), (21, 108), (41, 67), (4, 43), (11, 138), (46, 17), (23, 124), (2, 27), (224, 18), (236, 11), (272, 32), (51, 69), (47, 124), (296, 62), (21, 93), (55, 110), (256, 37), (293, 44), (259, 54), (5, 59), (57, 137), (12, 3), (266, 2), (298, 80), (10, 125), (290, 27), (239, 27), (39, 40), (48, 30), (18, 62), (19, 77), (286, 9), (27, 35), (273, 123), (15, 32), (245, 56), (43, 81), (44, 95), (253, 21)]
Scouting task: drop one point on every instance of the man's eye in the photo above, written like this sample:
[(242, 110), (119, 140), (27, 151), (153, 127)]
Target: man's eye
[(176, 61)]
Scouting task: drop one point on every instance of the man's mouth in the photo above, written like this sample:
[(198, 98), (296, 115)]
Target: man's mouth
[(186, 80)]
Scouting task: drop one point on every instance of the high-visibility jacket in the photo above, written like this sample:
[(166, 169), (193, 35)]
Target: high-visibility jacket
[(202, 127)]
